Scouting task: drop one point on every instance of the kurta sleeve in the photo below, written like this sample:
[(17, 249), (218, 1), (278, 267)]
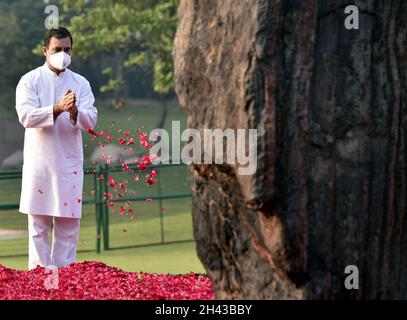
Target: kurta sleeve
[(87, 113), (30, 113)]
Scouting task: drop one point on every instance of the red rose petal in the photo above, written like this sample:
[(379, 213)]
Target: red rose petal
[(91, 280), (93, 133)]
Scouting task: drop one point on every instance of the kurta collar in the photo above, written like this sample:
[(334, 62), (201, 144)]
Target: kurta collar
[(49, 71)]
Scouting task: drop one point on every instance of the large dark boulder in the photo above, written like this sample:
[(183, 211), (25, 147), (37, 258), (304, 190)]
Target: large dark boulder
[(330, 107)]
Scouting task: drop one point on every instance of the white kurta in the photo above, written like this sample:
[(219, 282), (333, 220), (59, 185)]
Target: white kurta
[(52, 179)]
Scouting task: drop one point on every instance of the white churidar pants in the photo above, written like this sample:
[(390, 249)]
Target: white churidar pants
[(65, 239)]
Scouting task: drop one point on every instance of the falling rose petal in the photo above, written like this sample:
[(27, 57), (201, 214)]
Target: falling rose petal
[(125, 166), (132, 216), (75, 173), (40, 191), (119, 189), (112, 183), (78, 200), (143, 140), (90, 131), (110, 203), (65, 204)]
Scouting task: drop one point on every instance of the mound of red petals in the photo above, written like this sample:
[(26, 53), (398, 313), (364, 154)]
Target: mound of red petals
[(94, 280)]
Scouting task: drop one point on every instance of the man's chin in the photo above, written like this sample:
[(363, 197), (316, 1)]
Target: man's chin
[(55, 69)]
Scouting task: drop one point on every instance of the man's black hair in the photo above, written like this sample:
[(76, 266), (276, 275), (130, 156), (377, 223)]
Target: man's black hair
[(59, 33)]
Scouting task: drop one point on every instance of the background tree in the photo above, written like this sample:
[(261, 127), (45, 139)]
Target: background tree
[(134, 33), (331, 183), (21, 26)]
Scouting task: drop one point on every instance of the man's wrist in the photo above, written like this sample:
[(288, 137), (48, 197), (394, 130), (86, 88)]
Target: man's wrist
[(74, 116), (57, 110)]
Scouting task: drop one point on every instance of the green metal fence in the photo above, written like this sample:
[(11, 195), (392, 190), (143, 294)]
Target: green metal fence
[(169, 187)]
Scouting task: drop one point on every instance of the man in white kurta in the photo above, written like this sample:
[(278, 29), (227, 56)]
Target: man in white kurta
[(52, 180)]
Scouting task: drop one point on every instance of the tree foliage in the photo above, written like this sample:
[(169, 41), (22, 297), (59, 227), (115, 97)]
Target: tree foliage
[(136, 32), (20, 27)]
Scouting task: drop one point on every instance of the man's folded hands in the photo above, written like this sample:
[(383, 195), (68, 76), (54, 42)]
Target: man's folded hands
[(67, 104)]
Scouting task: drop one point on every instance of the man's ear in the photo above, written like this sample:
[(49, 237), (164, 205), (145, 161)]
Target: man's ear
[(44, 51)]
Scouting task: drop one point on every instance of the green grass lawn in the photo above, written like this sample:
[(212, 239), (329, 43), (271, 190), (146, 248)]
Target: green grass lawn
[(124, 232), (178, 258)]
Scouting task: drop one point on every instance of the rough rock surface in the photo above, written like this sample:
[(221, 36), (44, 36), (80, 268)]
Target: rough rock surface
[(330, 107)]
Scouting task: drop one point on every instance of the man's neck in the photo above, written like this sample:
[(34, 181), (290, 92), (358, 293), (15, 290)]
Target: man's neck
[(54, 69)]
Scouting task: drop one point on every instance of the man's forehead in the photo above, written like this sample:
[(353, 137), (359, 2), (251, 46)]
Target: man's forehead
[(61, 43)]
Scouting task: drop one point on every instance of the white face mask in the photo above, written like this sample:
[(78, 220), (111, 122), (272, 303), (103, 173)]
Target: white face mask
[(60, 60)]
